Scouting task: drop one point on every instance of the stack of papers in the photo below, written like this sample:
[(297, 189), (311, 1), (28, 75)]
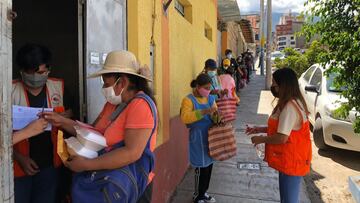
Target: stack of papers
[(23, 116)]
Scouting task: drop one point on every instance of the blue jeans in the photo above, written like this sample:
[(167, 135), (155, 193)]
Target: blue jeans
[(39, 188), (289, 188)]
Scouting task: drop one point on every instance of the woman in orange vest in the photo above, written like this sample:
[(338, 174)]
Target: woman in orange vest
[(287, 144)]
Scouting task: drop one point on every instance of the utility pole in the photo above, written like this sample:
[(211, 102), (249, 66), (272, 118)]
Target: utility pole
[(262, 37), (268, 46)]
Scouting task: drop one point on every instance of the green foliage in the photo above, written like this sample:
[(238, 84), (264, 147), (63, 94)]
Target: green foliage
[(315, 52), (298, 63), (294, 60), (339, 30), (288, 51)]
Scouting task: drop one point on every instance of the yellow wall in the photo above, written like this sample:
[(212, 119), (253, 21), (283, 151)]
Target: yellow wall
[(140, 22), (189, 47)]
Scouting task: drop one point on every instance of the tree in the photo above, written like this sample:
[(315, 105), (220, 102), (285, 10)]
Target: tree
[(288, 51), (339, 29), (314, 53), (294, 60)]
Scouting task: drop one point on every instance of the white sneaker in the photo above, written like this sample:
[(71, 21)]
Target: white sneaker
[(209, 199)]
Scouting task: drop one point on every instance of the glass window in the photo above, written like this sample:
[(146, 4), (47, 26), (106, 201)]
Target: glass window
[(330, 83), (316, 78), (309, 73), (180, 8)]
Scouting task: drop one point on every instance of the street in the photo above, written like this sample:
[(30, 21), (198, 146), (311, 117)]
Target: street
[(328, 181)]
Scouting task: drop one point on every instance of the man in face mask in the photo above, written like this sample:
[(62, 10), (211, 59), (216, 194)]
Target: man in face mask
[(211, 69), (36, 163), (233, 65)]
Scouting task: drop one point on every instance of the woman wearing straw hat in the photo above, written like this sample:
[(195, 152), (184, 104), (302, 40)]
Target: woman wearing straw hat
[(129, 123)]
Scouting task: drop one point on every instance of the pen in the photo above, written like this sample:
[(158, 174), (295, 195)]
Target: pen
[(43, 107)]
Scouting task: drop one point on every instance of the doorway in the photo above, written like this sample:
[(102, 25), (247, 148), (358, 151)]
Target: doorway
[(53, 24)]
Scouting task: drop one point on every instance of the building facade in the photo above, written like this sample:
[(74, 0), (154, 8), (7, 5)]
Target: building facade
[(285, 35)]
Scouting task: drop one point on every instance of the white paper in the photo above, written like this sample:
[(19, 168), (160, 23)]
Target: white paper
[(94, 58), (23, 115)]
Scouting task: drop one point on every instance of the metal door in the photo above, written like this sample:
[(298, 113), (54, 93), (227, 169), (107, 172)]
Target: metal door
[(105, 31), (6, 169)]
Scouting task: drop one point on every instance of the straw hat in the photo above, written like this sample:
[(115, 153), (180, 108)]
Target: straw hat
[(123, 62)]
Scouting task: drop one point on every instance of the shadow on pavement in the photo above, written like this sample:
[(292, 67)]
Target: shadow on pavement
[(312, 190), (349, 159)]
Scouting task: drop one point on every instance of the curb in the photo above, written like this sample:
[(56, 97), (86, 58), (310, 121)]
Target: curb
[(354, 186)]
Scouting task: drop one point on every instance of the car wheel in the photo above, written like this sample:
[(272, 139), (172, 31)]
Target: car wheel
[(318, 134)]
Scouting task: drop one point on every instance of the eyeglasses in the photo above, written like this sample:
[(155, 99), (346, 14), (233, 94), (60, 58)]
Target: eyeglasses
[(40, 72)]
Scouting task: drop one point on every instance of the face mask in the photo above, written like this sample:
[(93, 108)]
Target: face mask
[(110, 96), (204, 92), (274, 92), (34, 80), (212, 73), (229, 56)]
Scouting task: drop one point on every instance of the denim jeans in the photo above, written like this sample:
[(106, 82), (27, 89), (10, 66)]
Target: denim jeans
[(289, 188), (39, 188)]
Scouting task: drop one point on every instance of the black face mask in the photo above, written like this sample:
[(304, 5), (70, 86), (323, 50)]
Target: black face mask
[(274, 92)]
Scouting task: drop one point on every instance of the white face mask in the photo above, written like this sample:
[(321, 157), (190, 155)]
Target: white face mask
[(229, 56), (110, 96)]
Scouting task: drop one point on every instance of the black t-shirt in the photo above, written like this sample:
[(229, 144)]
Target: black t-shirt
[(41, 147)]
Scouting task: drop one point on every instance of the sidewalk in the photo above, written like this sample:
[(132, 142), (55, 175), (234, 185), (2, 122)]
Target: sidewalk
[(229, 184)]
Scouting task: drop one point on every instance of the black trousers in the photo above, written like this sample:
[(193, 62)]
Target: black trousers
[(202, 180), (146, 196)]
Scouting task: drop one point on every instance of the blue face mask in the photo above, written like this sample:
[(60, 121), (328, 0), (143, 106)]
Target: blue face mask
[(212, 73)]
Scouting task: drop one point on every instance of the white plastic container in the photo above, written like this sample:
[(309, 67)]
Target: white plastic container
[(75, 148), (90, 139)]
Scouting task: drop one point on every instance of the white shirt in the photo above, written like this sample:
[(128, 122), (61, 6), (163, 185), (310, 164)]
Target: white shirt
[(289, 118)]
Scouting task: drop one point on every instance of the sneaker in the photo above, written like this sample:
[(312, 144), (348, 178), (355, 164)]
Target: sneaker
[(209, 199)]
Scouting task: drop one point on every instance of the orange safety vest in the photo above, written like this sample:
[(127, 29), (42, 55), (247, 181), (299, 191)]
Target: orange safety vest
[(54, 92), (292, 158)]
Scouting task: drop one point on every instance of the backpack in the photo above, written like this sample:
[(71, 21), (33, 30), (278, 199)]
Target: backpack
[(122, 185)]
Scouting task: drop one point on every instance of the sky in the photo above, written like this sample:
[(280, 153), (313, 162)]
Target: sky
[(279, 6)]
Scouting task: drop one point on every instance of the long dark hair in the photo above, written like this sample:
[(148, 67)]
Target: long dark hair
[(201, 79), (289, 88)]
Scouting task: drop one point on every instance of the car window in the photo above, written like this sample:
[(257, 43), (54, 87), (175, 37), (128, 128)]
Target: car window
[(309, 73), (330, 83), (316, 78)]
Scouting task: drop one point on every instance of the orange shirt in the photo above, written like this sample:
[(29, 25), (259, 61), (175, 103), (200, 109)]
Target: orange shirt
[(137, 115)]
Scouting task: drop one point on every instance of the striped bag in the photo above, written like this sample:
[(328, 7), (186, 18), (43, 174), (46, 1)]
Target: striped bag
[(222, 143), (227, 109)]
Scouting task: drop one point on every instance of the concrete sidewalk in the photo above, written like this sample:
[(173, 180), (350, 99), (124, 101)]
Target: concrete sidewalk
[(230, 183)]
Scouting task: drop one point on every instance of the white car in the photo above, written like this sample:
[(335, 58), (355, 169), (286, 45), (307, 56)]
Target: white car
[(276, 54), (322, 98)]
